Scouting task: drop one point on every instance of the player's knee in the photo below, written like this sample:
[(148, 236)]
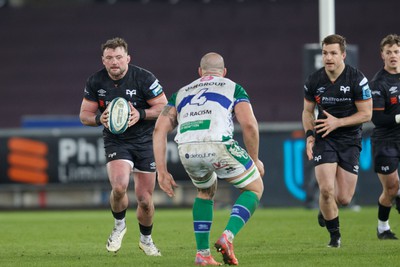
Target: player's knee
[(208, 193), (326, 194), (391, 190), (118, 192), (343, 200), (258, 189), (144, 202)]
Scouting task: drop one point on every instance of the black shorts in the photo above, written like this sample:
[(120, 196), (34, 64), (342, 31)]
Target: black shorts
[(386, 156), (328, 151), (141, 154)]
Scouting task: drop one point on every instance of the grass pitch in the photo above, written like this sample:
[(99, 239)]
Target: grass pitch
[(273, 237)]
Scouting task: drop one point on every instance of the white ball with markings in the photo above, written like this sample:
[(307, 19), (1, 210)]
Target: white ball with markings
[(119, 111)]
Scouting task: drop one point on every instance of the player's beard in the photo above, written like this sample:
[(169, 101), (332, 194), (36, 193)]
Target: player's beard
[(116, 74)]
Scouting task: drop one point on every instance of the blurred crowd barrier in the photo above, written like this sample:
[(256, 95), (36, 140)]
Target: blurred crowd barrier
[(65, 168)]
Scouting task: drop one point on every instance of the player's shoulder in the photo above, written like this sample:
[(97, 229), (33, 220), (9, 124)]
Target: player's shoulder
[(354, 76), (315, 78), (379, 76), (98, 77), (139, 71), (354, 72)]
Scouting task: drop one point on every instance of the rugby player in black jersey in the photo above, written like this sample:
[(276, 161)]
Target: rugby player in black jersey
[(333, 141), (131, 151), (385, 137)]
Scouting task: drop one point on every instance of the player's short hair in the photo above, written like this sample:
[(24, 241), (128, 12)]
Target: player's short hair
[(114, 43), (391, 39), (335, 39)]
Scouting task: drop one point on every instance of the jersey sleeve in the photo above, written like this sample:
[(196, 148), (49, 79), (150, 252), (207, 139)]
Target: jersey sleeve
[(308, 92), (240, 95), (362, 92), (152, 87), (89, 93), (378, 97), (172, 100)]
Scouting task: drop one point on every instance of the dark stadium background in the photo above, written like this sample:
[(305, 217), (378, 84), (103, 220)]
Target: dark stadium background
[(48, 48)]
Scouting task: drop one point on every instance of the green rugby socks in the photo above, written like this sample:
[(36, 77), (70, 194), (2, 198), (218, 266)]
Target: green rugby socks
[(242, 210), (202, 220)]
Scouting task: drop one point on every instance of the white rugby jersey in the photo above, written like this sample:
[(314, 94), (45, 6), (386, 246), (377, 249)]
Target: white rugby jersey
[(205, 109)]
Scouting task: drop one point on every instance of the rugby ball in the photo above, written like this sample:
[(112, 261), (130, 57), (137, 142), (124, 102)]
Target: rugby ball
[(119, 111)]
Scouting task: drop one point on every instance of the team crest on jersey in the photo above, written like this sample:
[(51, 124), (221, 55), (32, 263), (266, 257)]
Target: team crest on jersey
[(345, 89), (130, 92)]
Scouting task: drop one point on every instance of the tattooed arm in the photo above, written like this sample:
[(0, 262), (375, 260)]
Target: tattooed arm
[(165, 123)]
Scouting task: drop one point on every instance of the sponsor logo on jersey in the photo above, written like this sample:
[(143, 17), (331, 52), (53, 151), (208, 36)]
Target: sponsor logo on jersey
[(376, 92), (345, 89), (393, 90), (356, 168), (366, 92), (333, 100), (363, 81), (131, 92), (156, 88), (394, 100), (102, 92), (197, 113), (205, 84), (321, 90)]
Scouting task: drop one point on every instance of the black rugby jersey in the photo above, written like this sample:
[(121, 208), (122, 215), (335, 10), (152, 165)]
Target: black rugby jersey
[(386, 98), (137, 86), (338, 99)]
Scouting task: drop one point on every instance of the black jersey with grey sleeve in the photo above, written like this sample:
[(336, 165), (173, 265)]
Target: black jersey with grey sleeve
[(137, 86), (386, 104), (338, 99)]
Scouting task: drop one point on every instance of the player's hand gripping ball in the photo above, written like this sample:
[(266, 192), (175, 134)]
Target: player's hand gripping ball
[(119, 111)]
